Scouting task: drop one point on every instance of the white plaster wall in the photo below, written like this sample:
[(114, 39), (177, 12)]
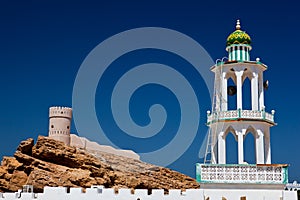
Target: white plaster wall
[(60, 193), (217, 194), (81, 142), (290, 195), (109, 194)]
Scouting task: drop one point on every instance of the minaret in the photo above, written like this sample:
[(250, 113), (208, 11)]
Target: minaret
[(241, 180), (239, 121), (60, 123)]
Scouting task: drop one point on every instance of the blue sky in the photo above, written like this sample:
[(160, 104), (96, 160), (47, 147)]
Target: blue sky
[(43, 44)]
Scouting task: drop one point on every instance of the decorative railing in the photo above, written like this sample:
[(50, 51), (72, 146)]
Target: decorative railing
[(240, 114), (248, 174)]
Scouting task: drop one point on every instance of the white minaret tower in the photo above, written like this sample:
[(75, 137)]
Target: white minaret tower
[(60, 123), (239, 121), (241, 180)]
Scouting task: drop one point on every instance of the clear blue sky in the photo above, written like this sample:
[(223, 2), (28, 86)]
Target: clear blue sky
[(43, 44)]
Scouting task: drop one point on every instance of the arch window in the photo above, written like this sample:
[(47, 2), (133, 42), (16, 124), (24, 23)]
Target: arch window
[(231, 148), (249, 148)]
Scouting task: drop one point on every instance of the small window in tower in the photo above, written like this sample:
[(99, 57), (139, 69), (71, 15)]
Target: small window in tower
[(52, 126), (61, 112), (68, 127)]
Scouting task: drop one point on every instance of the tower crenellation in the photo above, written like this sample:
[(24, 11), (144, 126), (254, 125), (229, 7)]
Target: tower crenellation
[(60, 123), (59, 111)]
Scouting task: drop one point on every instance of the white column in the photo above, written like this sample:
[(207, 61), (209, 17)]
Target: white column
[(254, 91), (233, 57), (218, 88), (248, 54), (259, 144), (243, 53), (261, 91), (238, 53), (213, 154), (267, 147), (240, 147), (221, 149), (214, 145), (224, 92), (239, 89)]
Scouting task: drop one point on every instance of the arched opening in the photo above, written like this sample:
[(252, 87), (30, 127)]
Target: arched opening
[(249, 148), (246, 90), (231, 98), (231, 149)]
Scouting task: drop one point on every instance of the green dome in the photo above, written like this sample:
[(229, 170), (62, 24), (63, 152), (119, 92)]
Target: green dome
[(238, 37)]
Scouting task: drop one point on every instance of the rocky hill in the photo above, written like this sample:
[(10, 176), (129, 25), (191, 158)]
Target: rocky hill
[(52, 163)]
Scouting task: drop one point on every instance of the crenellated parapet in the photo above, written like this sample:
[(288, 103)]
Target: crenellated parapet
[(99, 192), (58, 111)]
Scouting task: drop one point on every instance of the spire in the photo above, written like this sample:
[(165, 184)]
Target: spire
[(238, 44), (238, 36), (238, 25)]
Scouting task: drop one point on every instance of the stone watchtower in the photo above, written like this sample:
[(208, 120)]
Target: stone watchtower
[(60, 123)]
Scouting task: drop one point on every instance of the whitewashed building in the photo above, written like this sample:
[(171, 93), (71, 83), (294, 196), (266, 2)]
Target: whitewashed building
[(220, 180)]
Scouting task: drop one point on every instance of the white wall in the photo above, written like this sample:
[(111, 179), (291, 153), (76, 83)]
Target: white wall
[(217, 194), (60, 193), (82, 142)]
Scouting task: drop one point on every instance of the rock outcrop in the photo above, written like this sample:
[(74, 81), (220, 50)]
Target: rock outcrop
[(51, 163)]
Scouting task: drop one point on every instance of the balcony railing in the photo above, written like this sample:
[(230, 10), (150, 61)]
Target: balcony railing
[(240, 114), (247, 174)]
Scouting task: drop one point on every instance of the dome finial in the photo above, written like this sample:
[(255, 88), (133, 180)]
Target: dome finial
[(238, 25)]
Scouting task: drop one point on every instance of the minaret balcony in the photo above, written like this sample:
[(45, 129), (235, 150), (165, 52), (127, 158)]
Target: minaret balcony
[(240, 115), (242, 174)]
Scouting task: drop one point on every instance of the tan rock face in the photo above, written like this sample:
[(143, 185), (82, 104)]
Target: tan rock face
[(51, 163), (26, 146)]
